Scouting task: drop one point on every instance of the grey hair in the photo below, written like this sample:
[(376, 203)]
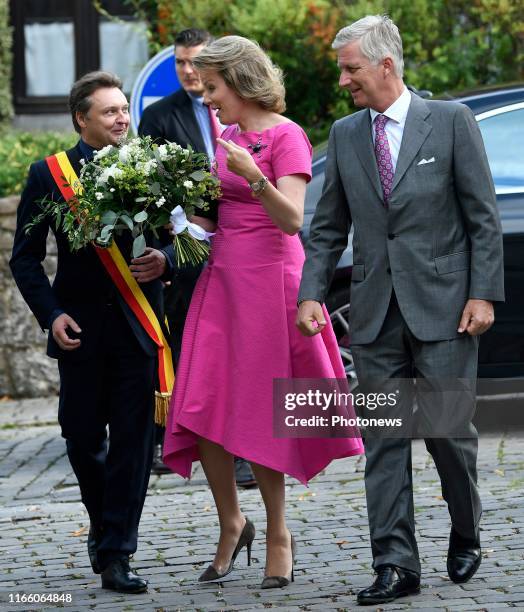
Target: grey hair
[(378, 37), (246, 69)]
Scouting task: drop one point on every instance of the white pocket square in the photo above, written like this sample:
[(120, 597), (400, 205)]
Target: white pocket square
[(426, 161)]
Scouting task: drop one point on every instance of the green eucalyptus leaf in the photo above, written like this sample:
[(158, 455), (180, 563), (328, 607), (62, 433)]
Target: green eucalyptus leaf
[(155, 188), (127, 220), (106, 230), (198, 175), (140, 217), (109, 217), (139, 245)]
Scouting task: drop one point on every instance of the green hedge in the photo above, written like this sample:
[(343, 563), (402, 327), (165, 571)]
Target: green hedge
[(18, 150), (6, 107)]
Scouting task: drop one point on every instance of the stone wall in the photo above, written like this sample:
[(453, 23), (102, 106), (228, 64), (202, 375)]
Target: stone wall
[(25, 370)]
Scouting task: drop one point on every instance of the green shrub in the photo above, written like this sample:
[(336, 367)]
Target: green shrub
[(6, 107), (18, 150)]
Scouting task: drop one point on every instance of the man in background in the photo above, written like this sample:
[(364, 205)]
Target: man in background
[(182, 117)]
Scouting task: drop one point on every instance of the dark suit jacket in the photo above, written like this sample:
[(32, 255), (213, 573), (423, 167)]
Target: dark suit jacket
[(172, 119), (81, 287)]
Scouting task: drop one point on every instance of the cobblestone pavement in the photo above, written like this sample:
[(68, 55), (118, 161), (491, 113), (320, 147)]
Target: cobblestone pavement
[(43, 528)]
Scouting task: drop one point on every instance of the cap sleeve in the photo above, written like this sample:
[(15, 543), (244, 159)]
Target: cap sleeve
[(291, 152)]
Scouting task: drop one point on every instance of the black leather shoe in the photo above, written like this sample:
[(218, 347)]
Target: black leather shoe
[(158, 466), (244, 476), (391, 582), (93, 539), (464, 557), (118, 576)]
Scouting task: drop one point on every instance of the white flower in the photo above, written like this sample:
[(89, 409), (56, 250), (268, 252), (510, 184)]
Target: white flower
[(147, 167), (160, 202), (188, 184), (163, 153), (123, 153), (112, 189), (82, 162), (113, 171), (99, 195), (103, 152)]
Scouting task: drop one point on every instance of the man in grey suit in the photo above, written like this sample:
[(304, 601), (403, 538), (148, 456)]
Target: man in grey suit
[(412, 179)]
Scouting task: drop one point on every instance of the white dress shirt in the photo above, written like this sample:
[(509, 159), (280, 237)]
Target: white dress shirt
[(396, 114)]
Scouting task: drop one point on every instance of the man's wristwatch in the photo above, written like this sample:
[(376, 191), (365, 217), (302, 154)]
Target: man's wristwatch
[(258, 186)]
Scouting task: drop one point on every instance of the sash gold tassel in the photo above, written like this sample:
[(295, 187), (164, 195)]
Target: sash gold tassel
[(161, 407)]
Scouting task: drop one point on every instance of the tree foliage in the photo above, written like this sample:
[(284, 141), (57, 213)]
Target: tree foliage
[(447, 45), (6, 107)]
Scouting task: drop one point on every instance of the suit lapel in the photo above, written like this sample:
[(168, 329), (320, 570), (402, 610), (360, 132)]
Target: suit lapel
[(186, 117), (416, 130), (363, 146)]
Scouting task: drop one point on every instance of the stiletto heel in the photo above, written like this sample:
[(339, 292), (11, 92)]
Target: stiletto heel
[(248, 548), (246, 539), (277, 582)]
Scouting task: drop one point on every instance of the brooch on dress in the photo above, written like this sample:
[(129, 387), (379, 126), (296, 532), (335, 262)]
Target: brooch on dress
[(257, 147)]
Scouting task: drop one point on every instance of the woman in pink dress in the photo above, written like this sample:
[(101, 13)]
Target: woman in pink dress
[(240, 331)]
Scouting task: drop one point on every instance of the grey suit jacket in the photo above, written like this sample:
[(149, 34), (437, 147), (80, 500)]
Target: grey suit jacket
[(437, 244)]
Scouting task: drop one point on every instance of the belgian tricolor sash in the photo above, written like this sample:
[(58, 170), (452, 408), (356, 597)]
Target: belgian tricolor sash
[(113, 261)]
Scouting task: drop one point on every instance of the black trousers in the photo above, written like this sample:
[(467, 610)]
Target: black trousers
[(113, 389)]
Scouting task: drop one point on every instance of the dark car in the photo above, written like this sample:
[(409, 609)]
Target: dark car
[(500, 115)]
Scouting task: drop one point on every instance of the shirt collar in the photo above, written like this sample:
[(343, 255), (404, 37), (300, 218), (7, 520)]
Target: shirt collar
[(398, 110), (87, 150), (196, 99)]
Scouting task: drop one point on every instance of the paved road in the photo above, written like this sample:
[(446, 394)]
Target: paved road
[(43, 530)]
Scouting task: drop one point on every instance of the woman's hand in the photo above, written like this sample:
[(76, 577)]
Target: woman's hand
[(240, 162)]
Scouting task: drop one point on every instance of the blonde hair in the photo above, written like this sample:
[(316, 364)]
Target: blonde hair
[(246, 69)]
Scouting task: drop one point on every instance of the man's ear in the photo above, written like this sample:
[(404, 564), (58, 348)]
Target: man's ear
[(389, 67), (81, 119)]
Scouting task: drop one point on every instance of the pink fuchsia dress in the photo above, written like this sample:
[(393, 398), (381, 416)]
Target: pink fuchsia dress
[(240, 330)]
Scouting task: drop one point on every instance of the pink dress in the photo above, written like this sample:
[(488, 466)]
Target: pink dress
[(240, 331)]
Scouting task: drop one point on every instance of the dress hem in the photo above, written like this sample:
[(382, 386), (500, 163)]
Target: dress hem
[(170, 458)]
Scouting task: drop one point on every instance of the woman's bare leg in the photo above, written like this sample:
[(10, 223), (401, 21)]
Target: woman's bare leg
[(219, 469), (278, 537)]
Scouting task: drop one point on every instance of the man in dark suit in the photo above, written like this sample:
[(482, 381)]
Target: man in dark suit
[(106, 360), (412, 178), (182, 117)]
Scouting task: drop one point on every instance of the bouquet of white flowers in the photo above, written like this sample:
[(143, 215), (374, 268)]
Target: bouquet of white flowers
[(136, 187)]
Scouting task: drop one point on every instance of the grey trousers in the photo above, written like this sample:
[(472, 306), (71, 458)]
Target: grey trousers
[(396, 353)]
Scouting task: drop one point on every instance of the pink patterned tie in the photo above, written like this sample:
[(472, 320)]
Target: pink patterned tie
[(383, 155), (215, 128)]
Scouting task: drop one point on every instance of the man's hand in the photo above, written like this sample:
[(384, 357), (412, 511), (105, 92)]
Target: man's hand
[(310, 318), (149, 266), (59, 329), (477, 317)]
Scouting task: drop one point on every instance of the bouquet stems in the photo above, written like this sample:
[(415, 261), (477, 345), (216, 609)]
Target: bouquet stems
[(189, 251)]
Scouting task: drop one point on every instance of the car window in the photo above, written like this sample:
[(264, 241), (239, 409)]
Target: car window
[(503, 135)]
